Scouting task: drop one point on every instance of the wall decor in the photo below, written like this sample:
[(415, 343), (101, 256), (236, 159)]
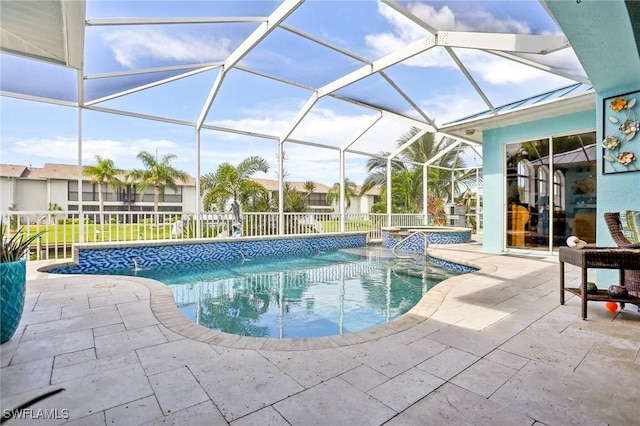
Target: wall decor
[(620, 147)]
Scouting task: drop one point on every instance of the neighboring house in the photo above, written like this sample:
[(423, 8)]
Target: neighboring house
[(317, 200), (26, 188)]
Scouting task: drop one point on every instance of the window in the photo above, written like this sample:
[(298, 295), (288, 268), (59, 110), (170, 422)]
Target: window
[(524, 181), (550, 191), (558, 190), (543, 181)]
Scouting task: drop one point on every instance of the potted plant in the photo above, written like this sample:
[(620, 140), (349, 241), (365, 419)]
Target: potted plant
[(14, 278)]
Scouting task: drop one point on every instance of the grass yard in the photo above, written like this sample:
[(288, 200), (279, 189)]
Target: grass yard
[(70, 233), (67, 233)]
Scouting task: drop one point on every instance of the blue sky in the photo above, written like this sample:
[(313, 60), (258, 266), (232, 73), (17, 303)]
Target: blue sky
[(35, 133)]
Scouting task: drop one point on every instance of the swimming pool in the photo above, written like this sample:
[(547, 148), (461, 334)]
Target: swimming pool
[(322, 294)]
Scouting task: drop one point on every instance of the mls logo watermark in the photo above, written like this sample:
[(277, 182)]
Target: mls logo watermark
[(35, 414)]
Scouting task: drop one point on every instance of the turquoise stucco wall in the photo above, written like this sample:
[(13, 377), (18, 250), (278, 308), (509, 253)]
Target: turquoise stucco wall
[(494, 169), (616, 192), (619, 191)]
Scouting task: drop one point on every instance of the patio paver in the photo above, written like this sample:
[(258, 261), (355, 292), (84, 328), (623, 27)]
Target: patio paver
[(488, 348)]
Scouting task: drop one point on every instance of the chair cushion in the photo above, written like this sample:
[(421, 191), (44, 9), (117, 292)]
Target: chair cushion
[(633, 225)]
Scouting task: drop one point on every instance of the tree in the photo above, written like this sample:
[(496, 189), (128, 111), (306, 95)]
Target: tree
[(294, 201), (52, 207), (234, 182), (406, 178), (258, 201), (157, 174), (309, 187), (104, 173), (350, 192)]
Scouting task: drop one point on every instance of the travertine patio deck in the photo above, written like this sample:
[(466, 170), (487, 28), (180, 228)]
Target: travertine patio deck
[(493, 347)]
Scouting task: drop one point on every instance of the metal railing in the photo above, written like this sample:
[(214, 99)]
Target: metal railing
[(64, 228), (426, 244)]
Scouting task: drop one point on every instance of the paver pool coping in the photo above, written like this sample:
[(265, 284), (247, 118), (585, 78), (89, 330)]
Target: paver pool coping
[(164, 308)]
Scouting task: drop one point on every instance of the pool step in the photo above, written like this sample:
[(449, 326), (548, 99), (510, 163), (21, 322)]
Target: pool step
[(417, 271)]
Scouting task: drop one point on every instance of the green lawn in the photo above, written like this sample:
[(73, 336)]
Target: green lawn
[(350, 225), (70, 233)]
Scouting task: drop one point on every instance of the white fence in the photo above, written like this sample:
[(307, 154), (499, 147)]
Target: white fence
[(63, 228)]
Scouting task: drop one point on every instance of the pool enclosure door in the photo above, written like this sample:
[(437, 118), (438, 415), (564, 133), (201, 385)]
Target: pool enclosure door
[(550, 189)]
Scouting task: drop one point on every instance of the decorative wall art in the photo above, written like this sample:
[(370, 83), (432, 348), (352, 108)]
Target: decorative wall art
[(620, 146)]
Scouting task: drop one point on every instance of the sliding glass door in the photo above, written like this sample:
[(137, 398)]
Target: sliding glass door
[(550, 197)]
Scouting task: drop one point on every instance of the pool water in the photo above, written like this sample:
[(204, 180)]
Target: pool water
[(295, 297)]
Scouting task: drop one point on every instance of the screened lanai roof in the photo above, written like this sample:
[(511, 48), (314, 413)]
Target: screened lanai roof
[(351, 75)]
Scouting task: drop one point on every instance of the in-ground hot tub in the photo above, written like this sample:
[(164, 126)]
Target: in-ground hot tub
[(392, 235)]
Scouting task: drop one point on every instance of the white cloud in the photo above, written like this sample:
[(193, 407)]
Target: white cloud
[(488, 68), (322, 125), (441, 106), (65, 150), (443, 19), (131, 46), (471, 20), (498, 71)]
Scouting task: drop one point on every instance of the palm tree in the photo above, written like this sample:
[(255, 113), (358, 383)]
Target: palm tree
[(233, 182), (257, 201), (309, 187), (104, 173), (157, 174), (350, 192), (293, 200), (406, 178)]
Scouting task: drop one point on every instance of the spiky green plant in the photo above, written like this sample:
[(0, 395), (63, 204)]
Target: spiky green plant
[(15, 247)]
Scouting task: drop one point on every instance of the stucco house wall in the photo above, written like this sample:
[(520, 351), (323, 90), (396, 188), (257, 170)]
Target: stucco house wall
[(494, 165), (618, 191), (7, 190), (58, 193), (31, 195), (615, 192)]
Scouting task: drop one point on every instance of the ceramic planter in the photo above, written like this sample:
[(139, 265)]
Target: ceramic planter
[(14, 279)]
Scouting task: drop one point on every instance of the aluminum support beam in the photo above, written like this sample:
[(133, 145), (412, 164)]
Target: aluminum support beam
[(299, 116), (471, 80), (280, 189), (521, 43), (343, 211), (477, 201), (552, 70), (396, 57), (208, 66), (81, 227), (425, 193), (148, 86), (165, 21), (198, 206), (142, 116), (365, 130), (441, 153), (389, 204), (280, 14), (210, 97), (408, 143)]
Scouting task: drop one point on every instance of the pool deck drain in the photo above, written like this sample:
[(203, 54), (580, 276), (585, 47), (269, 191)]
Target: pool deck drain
[(494, 346)]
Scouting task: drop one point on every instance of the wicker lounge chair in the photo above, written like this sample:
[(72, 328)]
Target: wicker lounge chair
[(631, 277)]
